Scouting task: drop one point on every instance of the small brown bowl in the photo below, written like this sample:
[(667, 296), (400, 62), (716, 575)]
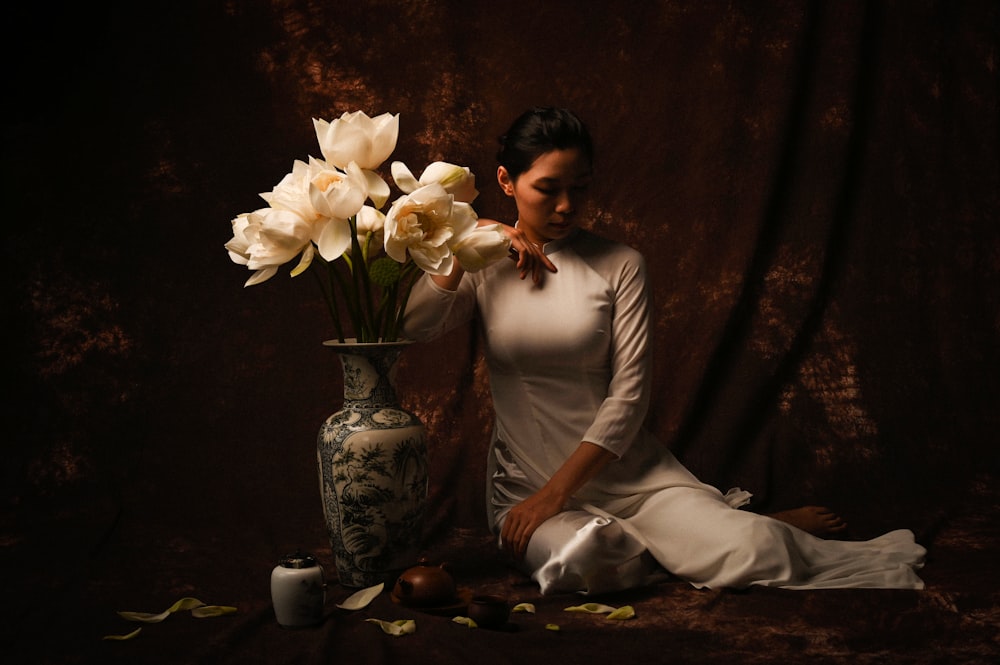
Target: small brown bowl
[(489, 611)]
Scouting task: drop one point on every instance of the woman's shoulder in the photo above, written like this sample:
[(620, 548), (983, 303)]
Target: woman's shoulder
[(593, 246)]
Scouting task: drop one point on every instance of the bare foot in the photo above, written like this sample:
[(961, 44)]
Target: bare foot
[(816, 520)]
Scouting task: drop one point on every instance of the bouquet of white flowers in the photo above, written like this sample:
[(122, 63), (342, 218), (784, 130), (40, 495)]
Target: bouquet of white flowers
[(328, 212)]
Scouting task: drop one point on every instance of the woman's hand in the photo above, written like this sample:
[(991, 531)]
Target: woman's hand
[(529, 257), (524, 518)]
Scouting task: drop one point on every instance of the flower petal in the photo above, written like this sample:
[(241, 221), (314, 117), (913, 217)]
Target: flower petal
[(334, 239), (378, 190), (624, 612), (354, 137), (261, 275), (483, 247), (384, 141), (333, 193), (458, 181), (362, 598), (403, 177), (146, 617), (121, 638), (591, 608), (395, 628), (305, 261), (280, 237), (206, 611), (435, 263)]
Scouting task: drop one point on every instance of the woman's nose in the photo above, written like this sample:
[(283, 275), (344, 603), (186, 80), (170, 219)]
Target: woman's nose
[(565, 204)]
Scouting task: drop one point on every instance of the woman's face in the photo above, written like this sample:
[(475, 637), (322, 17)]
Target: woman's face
[(549, 194)]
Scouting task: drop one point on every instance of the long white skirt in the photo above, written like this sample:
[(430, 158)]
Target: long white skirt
[(703, 537)]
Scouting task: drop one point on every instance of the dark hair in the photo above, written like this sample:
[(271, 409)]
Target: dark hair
[(538, 131)]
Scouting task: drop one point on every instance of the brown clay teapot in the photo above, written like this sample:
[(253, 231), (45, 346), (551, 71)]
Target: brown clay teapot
[(425, 585)]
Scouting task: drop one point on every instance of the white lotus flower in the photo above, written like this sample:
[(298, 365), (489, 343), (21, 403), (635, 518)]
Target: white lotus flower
[(354, 137), (370, 220), (265, 239), (484, 246), (423, 224), (336, 194), (238, 245), (458, 181), (281, 235), (292, 192), (246, 227), (316, 200)]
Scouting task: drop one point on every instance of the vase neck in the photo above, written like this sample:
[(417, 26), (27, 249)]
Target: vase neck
[(369, 375)]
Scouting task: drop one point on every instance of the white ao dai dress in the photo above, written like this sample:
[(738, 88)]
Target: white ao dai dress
[(569, 362)]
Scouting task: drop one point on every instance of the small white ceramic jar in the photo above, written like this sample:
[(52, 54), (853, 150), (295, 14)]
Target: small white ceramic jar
[(298, 591)]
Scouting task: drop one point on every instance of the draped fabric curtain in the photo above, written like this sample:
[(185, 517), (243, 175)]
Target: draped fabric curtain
[(813, 184)]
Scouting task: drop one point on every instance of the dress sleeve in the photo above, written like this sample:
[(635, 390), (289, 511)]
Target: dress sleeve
[(432, 311), (622, 413)]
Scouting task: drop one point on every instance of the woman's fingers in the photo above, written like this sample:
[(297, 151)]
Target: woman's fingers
[(528, 257)]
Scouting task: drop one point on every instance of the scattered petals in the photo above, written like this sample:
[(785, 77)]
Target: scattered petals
[(395, 628), (198, 609), (146, 617), (465, 621), (122, 638), (552, 626), (362, 598), (524, 607)]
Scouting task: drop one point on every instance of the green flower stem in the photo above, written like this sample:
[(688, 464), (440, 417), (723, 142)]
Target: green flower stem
[(329, 293), (351, 297), (363, 285), (386, 311), (410, 274), (376, 312)]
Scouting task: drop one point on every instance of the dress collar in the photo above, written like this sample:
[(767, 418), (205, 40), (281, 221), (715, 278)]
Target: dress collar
[(553, 246)]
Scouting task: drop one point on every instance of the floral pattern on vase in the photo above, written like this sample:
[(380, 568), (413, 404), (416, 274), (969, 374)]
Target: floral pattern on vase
[(372, 457)]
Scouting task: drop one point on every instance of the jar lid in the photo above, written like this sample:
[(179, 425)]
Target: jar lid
[(298, 560)]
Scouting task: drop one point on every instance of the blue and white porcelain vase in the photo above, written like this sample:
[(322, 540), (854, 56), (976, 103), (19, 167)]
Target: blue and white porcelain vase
[(372, 457)]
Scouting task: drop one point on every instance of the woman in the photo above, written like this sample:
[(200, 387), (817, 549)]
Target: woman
[(581, 495)]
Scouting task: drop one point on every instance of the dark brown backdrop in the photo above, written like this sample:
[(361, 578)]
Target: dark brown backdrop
[(814, 185)]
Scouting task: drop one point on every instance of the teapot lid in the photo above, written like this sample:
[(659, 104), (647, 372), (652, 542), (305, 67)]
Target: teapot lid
[(298, 560)]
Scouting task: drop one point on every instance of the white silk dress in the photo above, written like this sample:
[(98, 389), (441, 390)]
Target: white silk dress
[(569, 362)]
